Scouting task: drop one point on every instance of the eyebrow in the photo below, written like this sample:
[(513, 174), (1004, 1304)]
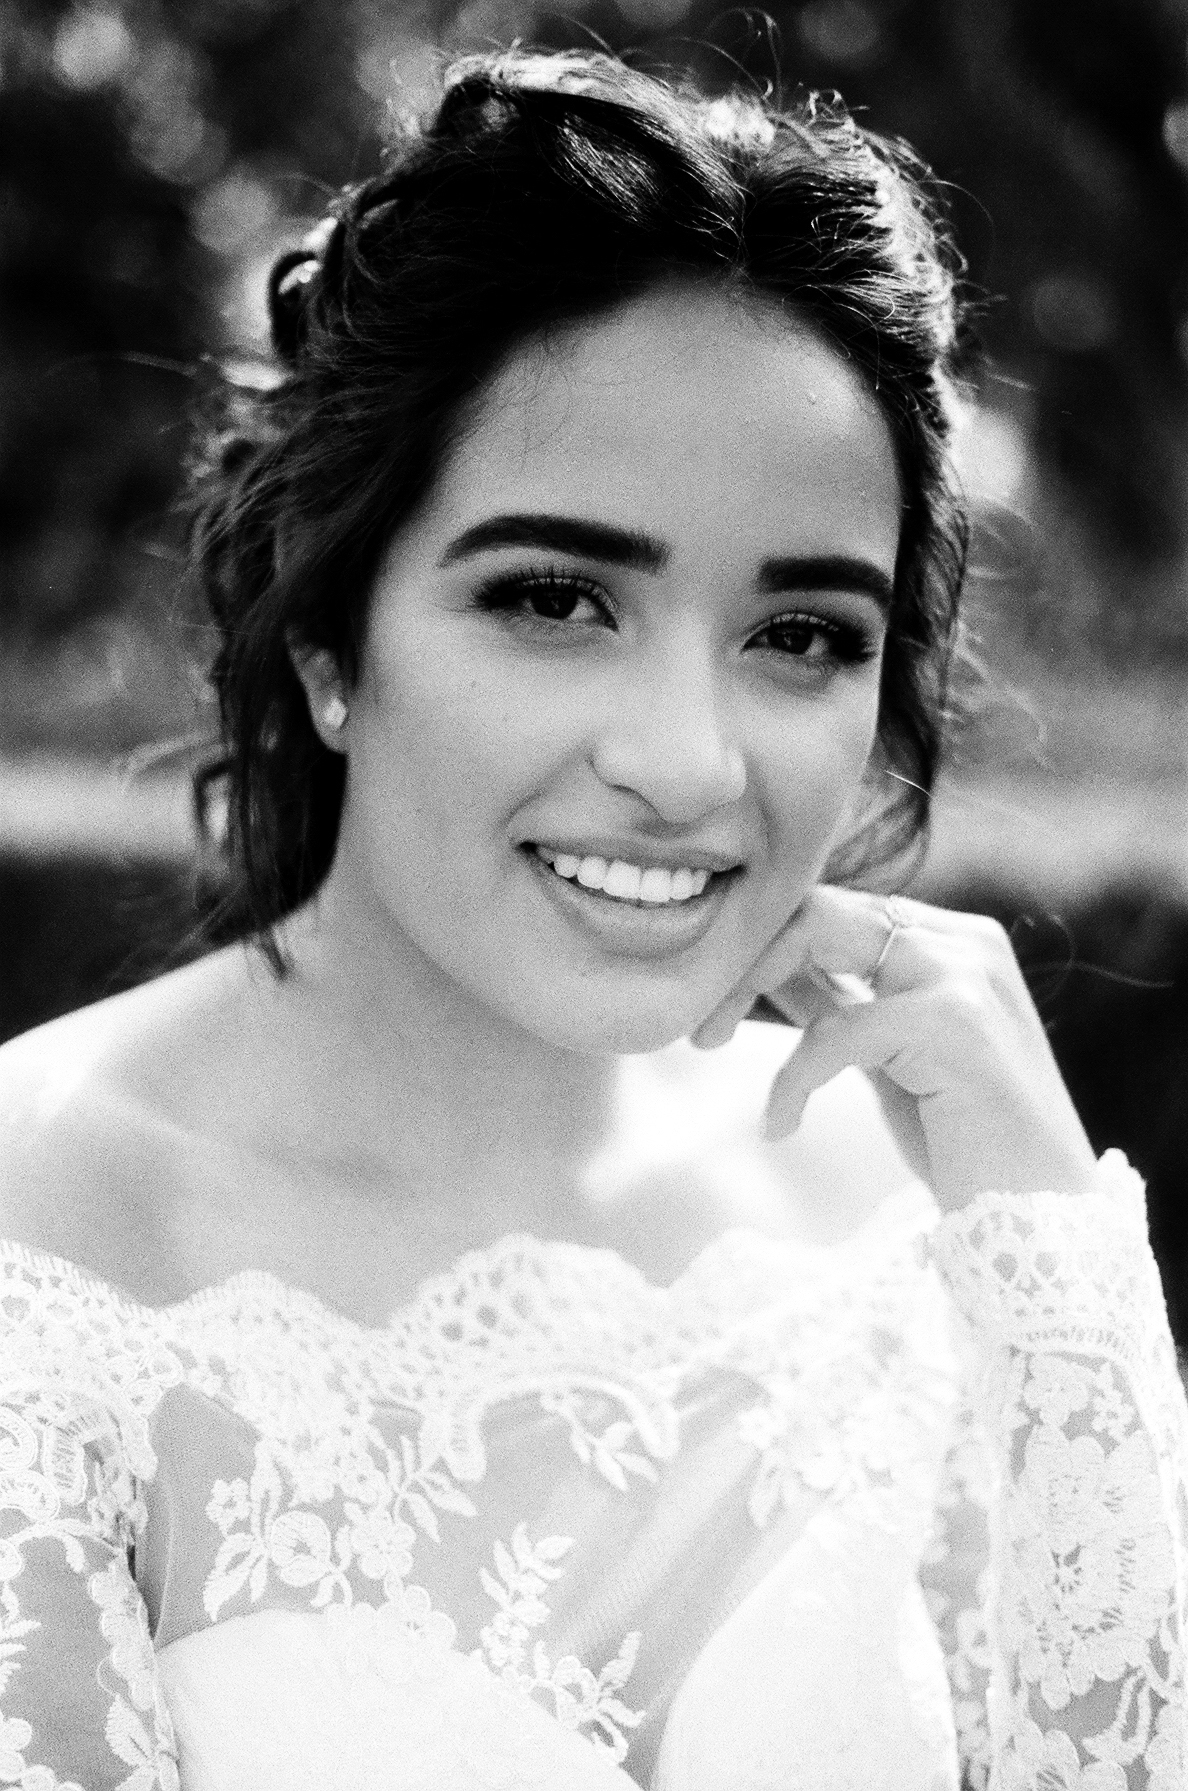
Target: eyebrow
[(561, 534), (644, 553), (827, 572)]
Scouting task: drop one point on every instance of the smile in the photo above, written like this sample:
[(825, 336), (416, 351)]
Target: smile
[(633, 910), (648, 885)]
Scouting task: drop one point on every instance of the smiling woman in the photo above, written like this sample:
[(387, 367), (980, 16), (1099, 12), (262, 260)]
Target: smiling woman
[(544, 199), (471, 1383), (690, 687)]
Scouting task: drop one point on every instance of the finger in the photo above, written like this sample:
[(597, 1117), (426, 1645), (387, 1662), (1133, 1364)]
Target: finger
[(783, 959), (840, 931), (719, 1027), (790, 974), (778, 964), (859, 939), (813, 993), (830, 904), (837, 938), (800, 999), (868, 1037), (910, 911), (901, 1111)]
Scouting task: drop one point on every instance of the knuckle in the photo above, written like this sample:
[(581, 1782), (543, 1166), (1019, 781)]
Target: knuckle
[(991, 935), (965, 1001), (984, 959)]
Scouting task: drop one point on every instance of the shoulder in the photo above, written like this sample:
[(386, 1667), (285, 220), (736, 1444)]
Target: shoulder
[(80, 1242), (89, 1151)]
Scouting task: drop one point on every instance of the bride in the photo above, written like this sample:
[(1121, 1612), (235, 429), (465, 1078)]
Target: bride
[(446, 1343)]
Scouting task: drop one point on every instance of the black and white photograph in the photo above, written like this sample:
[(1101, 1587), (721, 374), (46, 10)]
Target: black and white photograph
[(593, 895)]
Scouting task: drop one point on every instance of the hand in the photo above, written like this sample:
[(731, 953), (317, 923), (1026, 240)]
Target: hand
[(934, 1004)]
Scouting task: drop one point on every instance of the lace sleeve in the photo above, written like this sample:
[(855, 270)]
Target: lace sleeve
[(1084, 1412), (955, 1577), (80, 1705)]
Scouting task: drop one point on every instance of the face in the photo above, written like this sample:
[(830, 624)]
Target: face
[(620, 677)]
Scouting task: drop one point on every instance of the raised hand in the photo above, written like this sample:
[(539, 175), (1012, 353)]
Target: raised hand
[(934, 1004)]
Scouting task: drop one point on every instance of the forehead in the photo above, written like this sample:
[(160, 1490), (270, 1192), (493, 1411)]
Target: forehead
[(692, 416)]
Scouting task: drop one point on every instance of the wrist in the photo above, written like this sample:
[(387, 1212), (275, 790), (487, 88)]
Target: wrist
[(1010, 1153)]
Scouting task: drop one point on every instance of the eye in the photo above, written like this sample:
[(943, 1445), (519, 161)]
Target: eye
[(817, 639), (546, 596)]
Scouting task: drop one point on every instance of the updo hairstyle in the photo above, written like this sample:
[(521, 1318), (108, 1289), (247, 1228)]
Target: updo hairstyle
[(546, 189)]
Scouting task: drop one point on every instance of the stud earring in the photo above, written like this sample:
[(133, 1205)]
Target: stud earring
[(335, 713)]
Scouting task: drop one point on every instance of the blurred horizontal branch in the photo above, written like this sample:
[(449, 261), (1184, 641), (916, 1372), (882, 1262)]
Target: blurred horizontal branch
[(88, 808)]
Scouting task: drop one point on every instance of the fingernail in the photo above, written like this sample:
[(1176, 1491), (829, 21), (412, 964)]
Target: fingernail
[(723, 1023), (719, 1030)]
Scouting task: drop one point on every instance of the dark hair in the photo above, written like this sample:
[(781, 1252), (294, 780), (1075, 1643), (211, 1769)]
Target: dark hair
[(549, 188)]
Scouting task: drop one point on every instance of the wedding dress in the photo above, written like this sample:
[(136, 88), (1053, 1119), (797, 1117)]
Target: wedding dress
[(899, 1515)]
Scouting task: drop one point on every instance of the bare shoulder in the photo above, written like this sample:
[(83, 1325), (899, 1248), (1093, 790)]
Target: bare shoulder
[(87, 1146)]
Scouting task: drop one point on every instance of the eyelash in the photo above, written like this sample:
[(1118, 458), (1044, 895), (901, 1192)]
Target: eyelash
[(849, 644), (502, 593)]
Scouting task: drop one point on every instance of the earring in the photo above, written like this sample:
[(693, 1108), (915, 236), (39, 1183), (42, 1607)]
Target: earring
[(335, 713)]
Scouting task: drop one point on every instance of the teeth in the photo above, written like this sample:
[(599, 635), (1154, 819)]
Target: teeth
[(628, 882), (591, 873), (656, 886), (623, 881)]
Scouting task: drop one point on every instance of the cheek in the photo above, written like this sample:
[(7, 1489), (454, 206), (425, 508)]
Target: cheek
[(452, 748), (811, 770)]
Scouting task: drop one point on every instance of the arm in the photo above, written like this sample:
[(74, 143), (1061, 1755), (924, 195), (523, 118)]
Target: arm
[(1083, 1489), (1077, 1388), (80, 1705)]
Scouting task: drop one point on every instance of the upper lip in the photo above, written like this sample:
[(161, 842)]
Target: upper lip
[(646, 853)]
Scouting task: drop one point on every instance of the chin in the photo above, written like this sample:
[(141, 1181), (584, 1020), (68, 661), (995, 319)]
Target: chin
[(617, 1027)]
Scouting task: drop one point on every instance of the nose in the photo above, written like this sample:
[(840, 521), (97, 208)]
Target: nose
[(668, 744)]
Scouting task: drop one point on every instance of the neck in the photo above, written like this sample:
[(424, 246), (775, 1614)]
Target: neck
[(424, 1072)]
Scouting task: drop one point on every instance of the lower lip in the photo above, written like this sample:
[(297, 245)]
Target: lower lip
[(652, 930)]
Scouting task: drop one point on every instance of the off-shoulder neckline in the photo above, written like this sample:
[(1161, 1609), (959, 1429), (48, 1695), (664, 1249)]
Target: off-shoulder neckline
[(906, 1211)]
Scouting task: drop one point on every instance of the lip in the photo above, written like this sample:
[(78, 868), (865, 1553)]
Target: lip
[(638, 930), (646, 854)]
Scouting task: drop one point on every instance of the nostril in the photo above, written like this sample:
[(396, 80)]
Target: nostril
[(683, 779)]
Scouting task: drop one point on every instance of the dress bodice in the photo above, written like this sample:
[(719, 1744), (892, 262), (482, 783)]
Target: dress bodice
[(868, 1516)]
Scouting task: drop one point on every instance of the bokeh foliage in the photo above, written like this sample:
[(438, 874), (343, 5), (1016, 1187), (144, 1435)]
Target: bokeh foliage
[(154, 153)]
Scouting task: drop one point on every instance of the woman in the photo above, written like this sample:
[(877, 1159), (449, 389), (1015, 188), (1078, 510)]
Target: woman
[(586, 588)]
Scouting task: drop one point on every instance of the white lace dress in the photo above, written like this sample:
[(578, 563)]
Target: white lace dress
[(895, 1516)]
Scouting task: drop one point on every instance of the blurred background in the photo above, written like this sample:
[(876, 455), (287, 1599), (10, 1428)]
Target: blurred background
[(156, 154)]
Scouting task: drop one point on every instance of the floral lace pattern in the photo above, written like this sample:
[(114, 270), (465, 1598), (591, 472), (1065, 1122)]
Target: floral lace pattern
[(1090, 1596), (1030, 1467), (579, 1699), (264, 1532), (65, 1482)]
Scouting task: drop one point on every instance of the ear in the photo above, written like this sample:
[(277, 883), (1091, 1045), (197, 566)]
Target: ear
[(325, 692)]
